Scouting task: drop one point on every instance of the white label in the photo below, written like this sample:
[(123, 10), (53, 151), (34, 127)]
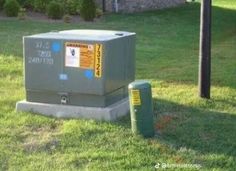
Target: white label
[(72, 58)]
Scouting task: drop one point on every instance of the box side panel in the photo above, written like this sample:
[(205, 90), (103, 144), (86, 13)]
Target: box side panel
[(130, 59), (115, 66), (120, 63)]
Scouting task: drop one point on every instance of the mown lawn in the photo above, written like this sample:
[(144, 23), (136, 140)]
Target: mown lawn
[(189, 130)]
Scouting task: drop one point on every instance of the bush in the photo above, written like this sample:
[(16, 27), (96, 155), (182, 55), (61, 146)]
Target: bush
[(1, 4), (11, 8), (22, 14), (99, 13), (72, 6), (40, 5), (88, 10), (55, 10), (28, 4), (67, 18)]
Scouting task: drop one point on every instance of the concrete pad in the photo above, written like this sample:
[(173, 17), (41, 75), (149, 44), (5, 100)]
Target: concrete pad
[(109, 113)]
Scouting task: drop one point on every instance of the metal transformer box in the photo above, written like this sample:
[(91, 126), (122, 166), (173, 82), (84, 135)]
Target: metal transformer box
[(79, 67)]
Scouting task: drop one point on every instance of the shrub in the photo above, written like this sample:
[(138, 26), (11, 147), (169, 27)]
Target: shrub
[(99, 13), (40, 5), (11, 8), (67, 18), (1, 4), (28, 4), (21, 14), (88, 10), (55, 10), (72, 6)]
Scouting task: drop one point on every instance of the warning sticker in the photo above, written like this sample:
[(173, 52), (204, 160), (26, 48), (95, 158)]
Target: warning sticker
[(72, 56), (135, 97), (79, 55), (86, 56), (98, 61)]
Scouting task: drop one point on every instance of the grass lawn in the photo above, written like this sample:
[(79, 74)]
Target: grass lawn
[(189, 130)]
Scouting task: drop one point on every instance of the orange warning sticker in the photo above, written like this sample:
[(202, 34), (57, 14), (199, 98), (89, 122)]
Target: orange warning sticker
[(98, 61), (79, 55), (86, 56), (135, 97)]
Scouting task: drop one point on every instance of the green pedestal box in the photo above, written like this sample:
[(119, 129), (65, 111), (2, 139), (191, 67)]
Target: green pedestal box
[(141, 108)]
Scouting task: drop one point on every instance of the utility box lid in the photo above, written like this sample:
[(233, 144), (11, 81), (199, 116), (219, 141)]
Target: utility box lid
[(139, 84), (96, 35)]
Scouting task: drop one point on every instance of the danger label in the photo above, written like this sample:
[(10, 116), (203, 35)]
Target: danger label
[(135, 97), (79, 55), (98, 61), (72, 56), (86, 56)]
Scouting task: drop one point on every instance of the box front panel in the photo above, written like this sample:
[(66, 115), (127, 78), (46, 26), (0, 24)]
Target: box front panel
[(83, 65), (43, 64), (64, 66)]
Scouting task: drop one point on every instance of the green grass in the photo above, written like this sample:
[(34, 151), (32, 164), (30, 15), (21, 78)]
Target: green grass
[(189, 130)]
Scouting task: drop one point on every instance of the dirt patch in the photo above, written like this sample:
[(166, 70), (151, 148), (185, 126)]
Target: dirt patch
[(36, 146), (40, 139), (165, 121)]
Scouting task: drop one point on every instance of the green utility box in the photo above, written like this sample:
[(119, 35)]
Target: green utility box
[(141, 108), (79, 67)]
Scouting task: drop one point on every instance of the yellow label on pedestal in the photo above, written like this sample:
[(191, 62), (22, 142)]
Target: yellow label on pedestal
[(135, 97)]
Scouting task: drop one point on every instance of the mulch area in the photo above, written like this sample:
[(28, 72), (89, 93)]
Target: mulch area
[(36, 16)]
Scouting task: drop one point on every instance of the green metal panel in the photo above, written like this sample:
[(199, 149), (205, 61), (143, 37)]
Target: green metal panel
[(41, 65), (141, 108), (49, 79)]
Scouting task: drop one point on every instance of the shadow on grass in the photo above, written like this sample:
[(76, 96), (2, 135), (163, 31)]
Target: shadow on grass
[(178, 128), (202, 130)]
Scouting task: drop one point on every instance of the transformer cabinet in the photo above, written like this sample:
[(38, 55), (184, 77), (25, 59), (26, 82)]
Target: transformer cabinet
[(79, 67)]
